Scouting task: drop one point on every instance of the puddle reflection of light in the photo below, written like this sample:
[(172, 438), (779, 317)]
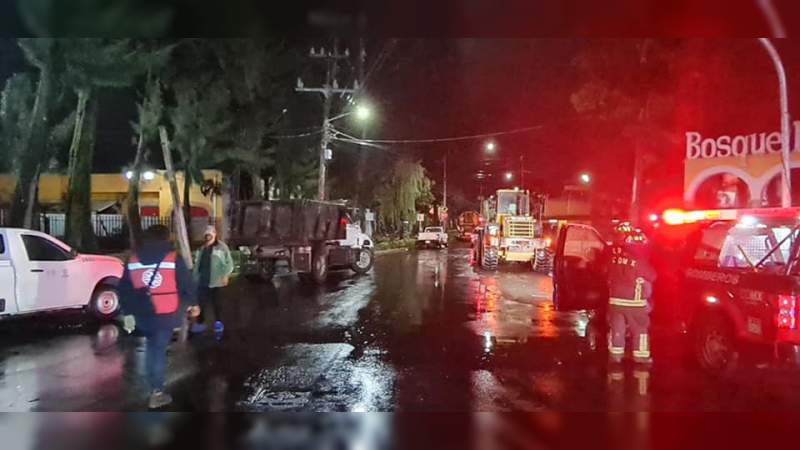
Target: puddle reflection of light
[(547, 323), (487, 342), (580, 325)]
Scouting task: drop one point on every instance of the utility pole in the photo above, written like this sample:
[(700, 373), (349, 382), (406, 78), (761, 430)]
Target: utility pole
[(786, 172), (362, 151), (328, 90), (521, 172), (444, 200)]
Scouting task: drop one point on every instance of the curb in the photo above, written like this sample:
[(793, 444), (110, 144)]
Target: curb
[(390, 251)]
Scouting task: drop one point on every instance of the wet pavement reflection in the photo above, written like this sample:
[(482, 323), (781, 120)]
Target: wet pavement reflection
[(424, 332)]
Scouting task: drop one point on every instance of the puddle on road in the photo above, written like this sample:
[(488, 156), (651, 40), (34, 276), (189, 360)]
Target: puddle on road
[(323, 377)]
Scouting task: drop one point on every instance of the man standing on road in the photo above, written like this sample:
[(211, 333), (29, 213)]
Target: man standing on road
[(157, 289), (213, 265), (630, 282)]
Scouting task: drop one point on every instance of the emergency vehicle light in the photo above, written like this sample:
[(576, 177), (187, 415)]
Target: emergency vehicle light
[(745, 216), (786, 311)]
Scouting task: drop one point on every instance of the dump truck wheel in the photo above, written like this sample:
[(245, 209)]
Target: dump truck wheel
[(266, 269), (364, 261), (319, 264)]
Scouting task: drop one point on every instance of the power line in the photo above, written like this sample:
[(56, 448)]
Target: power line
[(454, 138), (294, 136)]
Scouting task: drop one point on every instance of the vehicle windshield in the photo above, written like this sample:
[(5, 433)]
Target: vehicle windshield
[(764, 245), (434, 230), (513, 203)]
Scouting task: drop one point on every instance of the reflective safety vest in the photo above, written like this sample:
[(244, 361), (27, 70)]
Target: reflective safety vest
[(161, 285)]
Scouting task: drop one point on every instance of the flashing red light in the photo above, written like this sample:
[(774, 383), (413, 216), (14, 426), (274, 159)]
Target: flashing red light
[(787, 308), (343, 221)]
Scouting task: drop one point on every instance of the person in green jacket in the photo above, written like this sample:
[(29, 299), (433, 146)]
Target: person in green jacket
[(213, 265)]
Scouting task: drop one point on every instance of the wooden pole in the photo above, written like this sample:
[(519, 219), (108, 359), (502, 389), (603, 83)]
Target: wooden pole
[(178, 218)]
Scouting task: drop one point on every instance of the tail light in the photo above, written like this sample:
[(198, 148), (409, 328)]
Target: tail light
[(787, 311)]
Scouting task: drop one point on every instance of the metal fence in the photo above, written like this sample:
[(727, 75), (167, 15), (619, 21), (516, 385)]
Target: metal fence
[(111, 229)]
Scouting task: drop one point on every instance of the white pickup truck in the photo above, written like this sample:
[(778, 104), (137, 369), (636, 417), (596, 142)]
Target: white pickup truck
[(39, 273), (432, 237)]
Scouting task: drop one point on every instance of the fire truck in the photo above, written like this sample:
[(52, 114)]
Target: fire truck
[(728, 280), (509, 232)]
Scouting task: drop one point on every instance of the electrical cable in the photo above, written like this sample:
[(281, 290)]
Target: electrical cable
[(453, 138), (294, 136)]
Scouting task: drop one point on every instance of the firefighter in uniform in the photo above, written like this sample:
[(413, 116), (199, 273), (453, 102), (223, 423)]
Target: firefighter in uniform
[(630, 282)]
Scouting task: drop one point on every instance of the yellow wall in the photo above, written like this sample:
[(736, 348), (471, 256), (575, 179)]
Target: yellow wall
[(114, 187)]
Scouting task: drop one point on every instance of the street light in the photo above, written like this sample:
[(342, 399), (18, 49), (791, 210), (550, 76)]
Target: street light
[(509, 176), (585, 178), (363, 112), (147, 175), (490, 147)]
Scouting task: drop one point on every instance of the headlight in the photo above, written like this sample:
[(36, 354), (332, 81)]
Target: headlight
[(245, 251)]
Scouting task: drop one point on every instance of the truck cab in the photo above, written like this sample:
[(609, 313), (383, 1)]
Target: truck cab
[(729, 279), (39, 273)]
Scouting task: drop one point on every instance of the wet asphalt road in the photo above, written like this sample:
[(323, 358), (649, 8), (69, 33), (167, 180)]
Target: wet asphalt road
[(423, 332)]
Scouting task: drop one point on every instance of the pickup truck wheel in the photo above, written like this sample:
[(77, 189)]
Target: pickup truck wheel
[(715, 345), (105, 303), (319, 264), (364, 261)]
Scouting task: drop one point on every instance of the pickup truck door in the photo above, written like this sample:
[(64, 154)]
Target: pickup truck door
[(7, 298), (44, 275), (579, 272)]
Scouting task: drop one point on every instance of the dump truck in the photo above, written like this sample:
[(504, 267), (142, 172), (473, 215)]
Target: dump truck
[(510, 232), (468, 221), (306, 237)]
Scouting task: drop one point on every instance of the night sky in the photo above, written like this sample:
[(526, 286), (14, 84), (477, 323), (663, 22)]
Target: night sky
[(435, 88)]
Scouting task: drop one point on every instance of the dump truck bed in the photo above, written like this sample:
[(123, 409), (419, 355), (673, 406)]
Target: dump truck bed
[(286, 222)]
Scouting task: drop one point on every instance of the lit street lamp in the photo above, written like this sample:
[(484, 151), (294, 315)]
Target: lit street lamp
[(509, 176), (147, 175), (585, 178), (362, 113), (490, 147)]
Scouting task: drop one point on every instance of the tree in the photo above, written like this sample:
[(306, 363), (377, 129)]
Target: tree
[(629, 86), (16, 106), (406, 190), (95, 17), (255, 73), (34, 142), (90, 65), (149, 111), (199, 120), (295, 172)]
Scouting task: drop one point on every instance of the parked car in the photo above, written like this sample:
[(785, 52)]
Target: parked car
[(39, 273), (434, 237)]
